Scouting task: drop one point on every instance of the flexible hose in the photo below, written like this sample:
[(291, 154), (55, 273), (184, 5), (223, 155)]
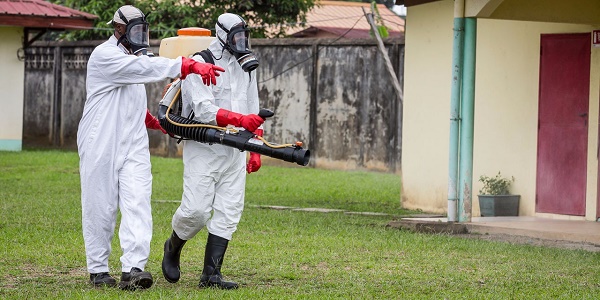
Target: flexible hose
[(240, 139)]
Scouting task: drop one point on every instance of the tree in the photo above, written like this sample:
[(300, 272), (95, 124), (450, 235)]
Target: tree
[(381, 28), (166, 16)]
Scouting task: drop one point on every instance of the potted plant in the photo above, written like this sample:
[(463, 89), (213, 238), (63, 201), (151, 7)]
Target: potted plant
[(495, 198)]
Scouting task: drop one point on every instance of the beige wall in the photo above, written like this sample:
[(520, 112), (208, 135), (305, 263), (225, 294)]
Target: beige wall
[(506, 101), (593, 135), (11, 89), (426, 115)]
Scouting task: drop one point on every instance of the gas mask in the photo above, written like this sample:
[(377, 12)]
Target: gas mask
[(136, 36), (238, 45)]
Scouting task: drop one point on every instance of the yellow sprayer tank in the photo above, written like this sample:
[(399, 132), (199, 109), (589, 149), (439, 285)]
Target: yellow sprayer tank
[(187, 42)]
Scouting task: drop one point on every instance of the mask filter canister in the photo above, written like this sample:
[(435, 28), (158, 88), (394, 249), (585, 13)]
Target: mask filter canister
[(248, 61)]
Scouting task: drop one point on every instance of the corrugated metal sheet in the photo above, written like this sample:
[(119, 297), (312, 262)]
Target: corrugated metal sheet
[(337, 17), (38, 13), (39, 8)]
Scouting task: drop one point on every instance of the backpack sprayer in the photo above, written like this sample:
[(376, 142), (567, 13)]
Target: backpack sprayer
[(170, 107), (181, 127)]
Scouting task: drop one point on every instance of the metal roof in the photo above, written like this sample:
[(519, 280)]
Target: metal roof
[(42, 14), (337, 17)]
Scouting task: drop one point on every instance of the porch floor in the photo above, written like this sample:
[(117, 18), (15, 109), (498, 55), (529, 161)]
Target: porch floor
[(535, 227)]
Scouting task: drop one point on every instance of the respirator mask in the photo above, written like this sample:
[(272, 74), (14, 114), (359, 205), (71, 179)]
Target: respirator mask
[(239, 46), (136, 36)]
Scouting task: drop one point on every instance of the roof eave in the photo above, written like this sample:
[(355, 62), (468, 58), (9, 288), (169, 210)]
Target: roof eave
[(408, 3), (46, 22)]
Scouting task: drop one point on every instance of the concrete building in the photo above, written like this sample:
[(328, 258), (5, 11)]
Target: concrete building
[(535, 96), (21, 23)]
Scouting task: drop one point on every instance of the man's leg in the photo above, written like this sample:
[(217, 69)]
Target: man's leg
[(135, 232), (227, 212), (193, 213), (99, 201)]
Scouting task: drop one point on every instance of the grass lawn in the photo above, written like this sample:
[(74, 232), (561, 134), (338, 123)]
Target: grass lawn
[(275, 254)]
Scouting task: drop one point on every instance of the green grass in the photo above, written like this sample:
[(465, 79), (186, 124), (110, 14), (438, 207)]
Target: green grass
[(275, 254), (298, 187)]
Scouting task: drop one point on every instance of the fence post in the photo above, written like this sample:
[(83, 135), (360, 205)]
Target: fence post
[(313, 103), (56, 98)]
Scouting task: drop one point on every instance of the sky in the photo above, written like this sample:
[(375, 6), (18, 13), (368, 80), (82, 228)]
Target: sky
[(399, 10)]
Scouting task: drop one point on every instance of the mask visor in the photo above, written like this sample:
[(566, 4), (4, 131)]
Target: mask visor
[(238, 40), (137, 34)]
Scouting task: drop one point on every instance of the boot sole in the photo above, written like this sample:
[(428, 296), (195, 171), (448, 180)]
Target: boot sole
[(170, 280), (208, 284), (108, 282), (136, 284)]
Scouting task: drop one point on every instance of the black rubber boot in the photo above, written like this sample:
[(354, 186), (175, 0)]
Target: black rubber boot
[(102, 279), (170, 262), (135, 279), (213, 259)]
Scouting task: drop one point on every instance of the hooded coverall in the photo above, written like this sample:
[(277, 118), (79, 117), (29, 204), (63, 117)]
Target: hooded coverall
[(112, 142), (214, 177)]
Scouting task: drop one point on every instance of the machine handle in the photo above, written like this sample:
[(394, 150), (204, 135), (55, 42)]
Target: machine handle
[(265, 113)]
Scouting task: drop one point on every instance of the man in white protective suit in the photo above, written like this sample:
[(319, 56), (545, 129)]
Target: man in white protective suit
[(113, 148), (215, 175)]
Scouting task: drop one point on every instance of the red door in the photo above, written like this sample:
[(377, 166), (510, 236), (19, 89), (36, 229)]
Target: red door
[(563, 123)]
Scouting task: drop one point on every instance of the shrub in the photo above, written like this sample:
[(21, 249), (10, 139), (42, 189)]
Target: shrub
[(497, 185)]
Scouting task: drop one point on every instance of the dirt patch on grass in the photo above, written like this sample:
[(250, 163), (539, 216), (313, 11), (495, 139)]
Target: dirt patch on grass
[(31, 273)]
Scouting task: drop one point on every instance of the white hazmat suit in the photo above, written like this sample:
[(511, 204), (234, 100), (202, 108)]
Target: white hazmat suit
[(215, 175), (112, 141)]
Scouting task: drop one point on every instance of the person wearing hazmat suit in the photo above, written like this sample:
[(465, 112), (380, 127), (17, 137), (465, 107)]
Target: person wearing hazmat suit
[(215, 175), (113, 146)]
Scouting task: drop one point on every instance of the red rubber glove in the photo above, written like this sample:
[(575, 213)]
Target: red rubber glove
[(254, 162), (152, 122), (208, 72), (250, 122)]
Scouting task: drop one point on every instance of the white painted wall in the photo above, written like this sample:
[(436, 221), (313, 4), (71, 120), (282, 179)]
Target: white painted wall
[(12, 77)]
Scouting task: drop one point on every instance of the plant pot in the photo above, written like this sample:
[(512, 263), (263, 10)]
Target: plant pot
[(499, 205)]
